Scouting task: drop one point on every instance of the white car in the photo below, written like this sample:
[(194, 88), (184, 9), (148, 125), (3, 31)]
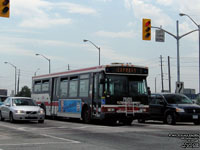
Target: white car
[(21, 108)]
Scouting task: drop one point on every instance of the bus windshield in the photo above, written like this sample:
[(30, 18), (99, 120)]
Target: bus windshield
[(118, 85)]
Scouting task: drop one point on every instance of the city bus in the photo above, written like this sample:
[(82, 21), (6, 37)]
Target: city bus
[(115, 92)]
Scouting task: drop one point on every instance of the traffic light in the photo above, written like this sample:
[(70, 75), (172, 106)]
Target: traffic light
[(5, 8), (146, 29)]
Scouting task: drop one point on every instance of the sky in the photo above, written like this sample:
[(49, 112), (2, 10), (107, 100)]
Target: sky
[(56, 29)]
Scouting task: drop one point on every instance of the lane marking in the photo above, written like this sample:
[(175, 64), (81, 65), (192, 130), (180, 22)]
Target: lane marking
[(24, 129), (45, 143), (64, 139)]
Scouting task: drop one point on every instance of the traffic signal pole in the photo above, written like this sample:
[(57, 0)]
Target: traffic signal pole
[(177, 37)]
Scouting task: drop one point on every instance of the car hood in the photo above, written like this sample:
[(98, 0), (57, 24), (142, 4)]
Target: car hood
[(26, 108), (187, 105)]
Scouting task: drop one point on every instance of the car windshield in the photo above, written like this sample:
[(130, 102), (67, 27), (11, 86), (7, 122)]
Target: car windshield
[(126, 85), (177, 99), (23, 102)]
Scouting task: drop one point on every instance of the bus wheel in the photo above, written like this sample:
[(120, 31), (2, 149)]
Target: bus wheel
[(86, 115), (128, 121)]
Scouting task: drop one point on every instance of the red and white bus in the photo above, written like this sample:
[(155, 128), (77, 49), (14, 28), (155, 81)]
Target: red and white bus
[(116, 92)]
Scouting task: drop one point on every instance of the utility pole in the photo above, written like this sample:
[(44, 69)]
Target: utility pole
[(155, 85), (68, 67), (169, 74), (18, 82), (161, 73)]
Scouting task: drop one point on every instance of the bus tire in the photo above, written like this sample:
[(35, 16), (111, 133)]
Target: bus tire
[(86, 115), (128, 121)]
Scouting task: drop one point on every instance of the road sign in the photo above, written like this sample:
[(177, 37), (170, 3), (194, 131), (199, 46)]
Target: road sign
[(160, 36), (179, 87)]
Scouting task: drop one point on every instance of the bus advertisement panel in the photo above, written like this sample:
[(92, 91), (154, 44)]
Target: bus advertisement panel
[(116, 92)]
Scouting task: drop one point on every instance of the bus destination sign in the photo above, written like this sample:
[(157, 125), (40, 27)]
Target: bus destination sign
[(127, 70)]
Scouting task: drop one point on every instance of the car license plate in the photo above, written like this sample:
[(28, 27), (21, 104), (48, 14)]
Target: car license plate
[(195, 116)]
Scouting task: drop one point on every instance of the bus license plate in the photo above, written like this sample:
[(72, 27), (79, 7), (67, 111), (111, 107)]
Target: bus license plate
[(195, 116)]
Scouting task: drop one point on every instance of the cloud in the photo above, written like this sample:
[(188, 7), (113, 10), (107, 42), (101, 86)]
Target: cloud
[(165, 2), (45, 14), (44, 22), (122, 34), (189, 7), (145, 9), (76, 8)]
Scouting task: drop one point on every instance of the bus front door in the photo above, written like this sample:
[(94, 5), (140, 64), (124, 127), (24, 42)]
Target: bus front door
[(96, 102)]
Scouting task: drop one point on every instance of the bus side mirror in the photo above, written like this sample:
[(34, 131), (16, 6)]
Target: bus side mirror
[(149, 91)]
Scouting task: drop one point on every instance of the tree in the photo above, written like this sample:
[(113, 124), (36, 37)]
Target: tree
[(25, 92)]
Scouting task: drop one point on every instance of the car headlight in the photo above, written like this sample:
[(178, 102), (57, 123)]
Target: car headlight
[(180, 110), (20, 112), (41, 111)]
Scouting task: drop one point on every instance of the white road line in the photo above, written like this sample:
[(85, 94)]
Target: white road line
[(24, 129), (54, 137), (20, 144)]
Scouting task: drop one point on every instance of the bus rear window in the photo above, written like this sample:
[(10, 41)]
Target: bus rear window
[(45, 85), (37, 86)]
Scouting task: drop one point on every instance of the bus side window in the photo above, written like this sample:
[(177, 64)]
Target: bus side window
[(45, 85), (84, 85), (37, 86), (73, 86), (63, 87)]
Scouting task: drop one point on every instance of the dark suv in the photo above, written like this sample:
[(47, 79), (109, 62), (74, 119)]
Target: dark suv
[(171, 108)]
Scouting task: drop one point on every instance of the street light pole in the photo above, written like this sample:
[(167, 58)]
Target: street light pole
[(46, 59), (15, 74), (198, 26), (94, 46)]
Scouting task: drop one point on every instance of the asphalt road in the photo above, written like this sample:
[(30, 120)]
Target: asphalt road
[(65, 135)]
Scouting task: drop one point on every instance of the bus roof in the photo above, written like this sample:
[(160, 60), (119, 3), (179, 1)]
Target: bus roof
[(85, 70)]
